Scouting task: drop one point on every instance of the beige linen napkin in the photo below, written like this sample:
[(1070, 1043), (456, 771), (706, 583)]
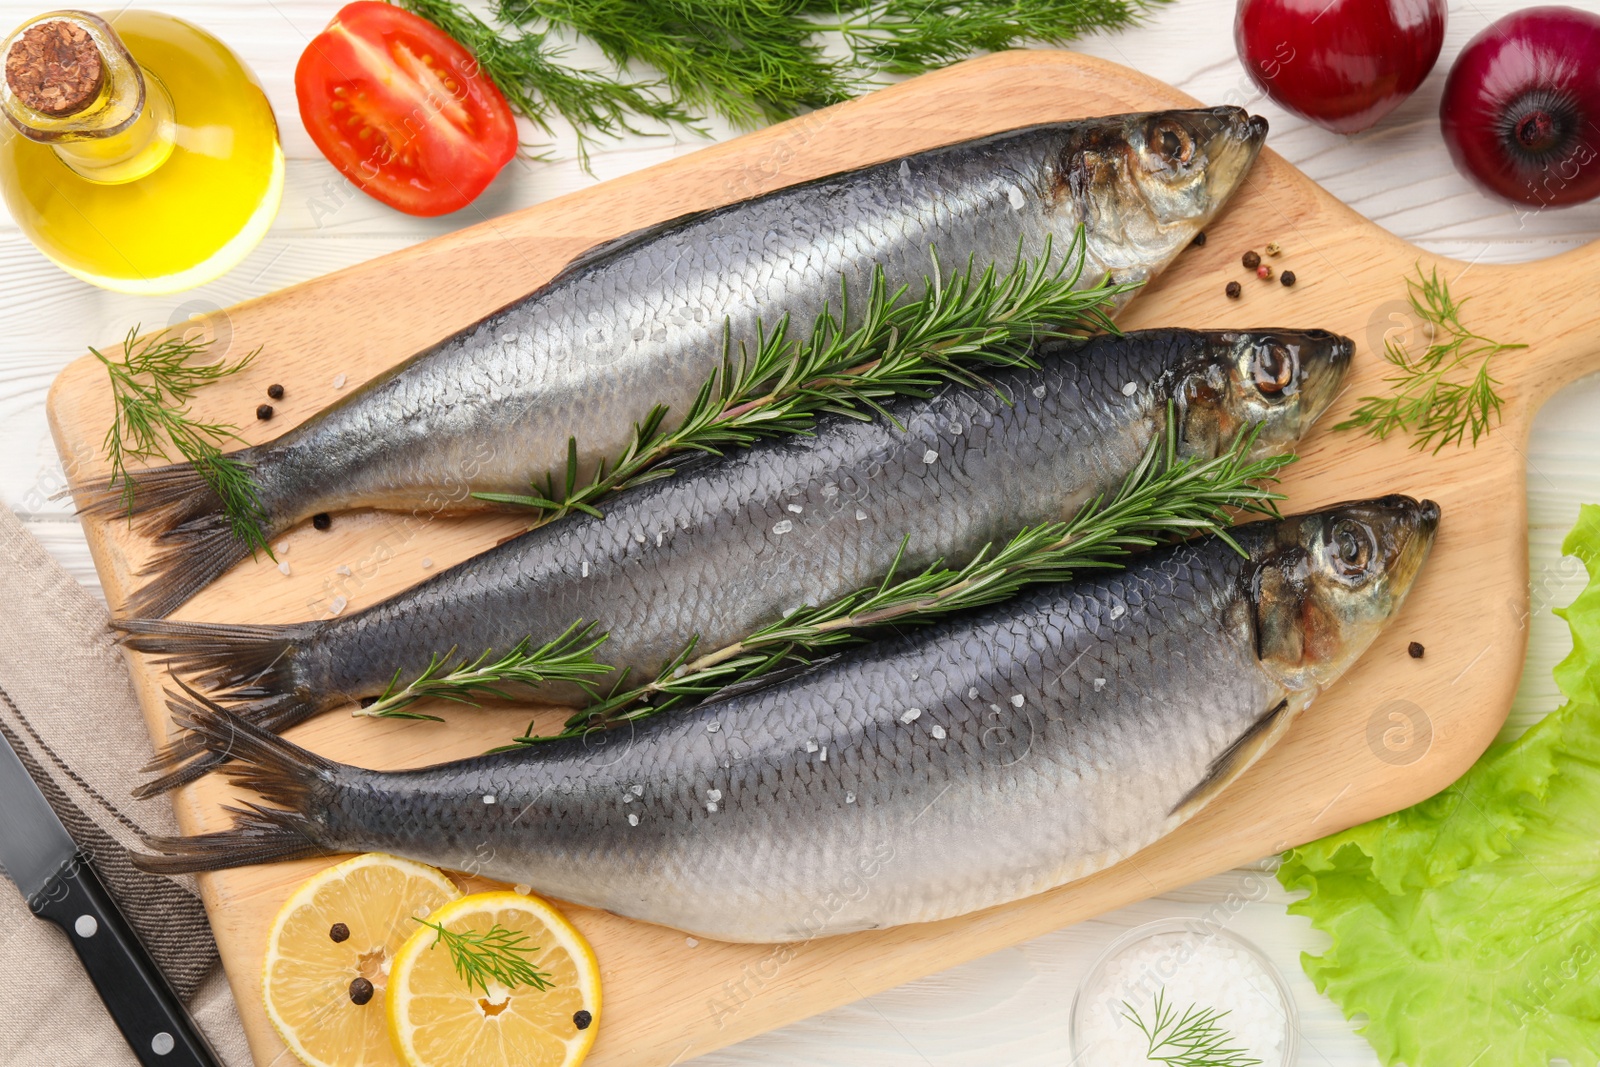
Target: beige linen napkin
[(68, 708)]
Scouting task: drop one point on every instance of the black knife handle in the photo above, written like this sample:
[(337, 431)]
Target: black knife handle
[(145, 1009)]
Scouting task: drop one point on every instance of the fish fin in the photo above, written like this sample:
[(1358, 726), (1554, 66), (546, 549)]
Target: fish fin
[(283, 773), (254, 660), (1232, 762), (186, 758), (176, 506), (589, 256)]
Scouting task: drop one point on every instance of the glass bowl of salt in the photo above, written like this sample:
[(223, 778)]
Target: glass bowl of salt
[(1183, 986)]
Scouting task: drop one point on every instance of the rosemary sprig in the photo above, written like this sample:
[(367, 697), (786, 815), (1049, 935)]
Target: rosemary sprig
[(1163, 497), (1430, 398), (901, 347), (151, 387), (527, 67), (1195, 1038), (499, 956), (568, 658)]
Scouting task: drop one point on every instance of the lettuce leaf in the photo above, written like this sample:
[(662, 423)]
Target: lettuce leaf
[(1467, 928)]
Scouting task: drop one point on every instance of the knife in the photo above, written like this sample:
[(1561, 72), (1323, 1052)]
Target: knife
[(60, 885)]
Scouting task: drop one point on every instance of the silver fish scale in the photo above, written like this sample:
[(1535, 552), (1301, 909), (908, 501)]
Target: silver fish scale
[(746, 833), (718, 549), (493, 407)]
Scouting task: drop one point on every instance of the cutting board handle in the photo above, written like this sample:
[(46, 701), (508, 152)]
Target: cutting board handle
[(1552, 306)]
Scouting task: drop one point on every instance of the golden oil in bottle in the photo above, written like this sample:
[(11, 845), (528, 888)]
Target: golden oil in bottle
[(141, 155)]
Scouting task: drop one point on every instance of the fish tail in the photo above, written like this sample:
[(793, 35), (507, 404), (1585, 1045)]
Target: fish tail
[(178, 507), (299, 782), (259, 665)]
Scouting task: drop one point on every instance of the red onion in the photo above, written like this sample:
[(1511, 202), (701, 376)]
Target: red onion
[(1343, 64), (1521, 107)]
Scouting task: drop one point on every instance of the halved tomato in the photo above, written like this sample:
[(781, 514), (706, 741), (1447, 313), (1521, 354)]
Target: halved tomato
[(402, 110)]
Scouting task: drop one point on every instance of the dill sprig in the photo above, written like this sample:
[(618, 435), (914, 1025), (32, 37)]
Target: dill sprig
[(1438, 395), (913, 36), (151, 387), (1194, 1038), (1162, 498), (526, 66), (901, 347), (499, 956), (568, 658), (749, 61)]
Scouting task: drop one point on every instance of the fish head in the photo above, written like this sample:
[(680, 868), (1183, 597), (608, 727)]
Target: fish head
[(1326, 583), (1147, 183), (1279, 380)]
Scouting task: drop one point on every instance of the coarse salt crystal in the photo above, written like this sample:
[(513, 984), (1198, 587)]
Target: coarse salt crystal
[(711, 807), (861, 516), (338, 605), (796, 508), (938, 732), (339, 380), (713, 727), (782, 527), (691, 941), (713, 795), (523, 889), (910, 715), (930, 456), (1129, 389), (1016, 700), (488, 798), (811, 746), (584, 569), (972, 694), (1118, 611), (849, 798), (627, 798), (639, 537), (824, 753), (633, 819), (343, 569), (638, 790), (1099, 684), (283, 566), (427, 563), (1038, 391), (283, 548)]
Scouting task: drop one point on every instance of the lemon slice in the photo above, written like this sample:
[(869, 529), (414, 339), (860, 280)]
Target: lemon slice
[(438, 1020), (343, 924)]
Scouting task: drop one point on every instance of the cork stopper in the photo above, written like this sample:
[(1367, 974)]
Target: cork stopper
[(55, 68)]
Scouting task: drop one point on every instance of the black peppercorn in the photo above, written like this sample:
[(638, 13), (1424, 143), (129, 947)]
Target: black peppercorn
[(1415, 649), (322, 520), (1199, 239), (360, 990), (1251, 260), (581, 1019), (1287, 277), (275, 391), (1233, 290), (338, 932), (264, 412)]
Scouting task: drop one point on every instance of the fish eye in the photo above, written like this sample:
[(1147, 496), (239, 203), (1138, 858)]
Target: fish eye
[(1273, 368), (1350, 548), (1171, 142)]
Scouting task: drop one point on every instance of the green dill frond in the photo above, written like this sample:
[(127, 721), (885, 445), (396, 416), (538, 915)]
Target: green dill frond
[(499, 955), (151, 387), (1444, 392)]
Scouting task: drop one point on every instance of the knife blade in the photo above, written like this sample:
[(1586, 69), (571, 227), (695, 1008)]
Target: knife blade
[(60, 885)]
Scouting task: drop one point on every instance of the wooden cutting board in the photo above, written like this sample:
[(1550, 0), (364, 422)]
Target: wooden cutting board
[(1394, 731)]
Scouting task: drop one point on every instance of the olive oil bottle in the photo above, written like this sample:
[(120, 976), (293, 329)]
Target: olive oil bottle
[(140, 155)]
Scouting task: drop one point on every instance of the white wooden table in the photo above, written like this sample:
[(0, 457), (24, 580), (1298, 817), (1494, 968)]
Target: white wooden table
[(1010, 1007)]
